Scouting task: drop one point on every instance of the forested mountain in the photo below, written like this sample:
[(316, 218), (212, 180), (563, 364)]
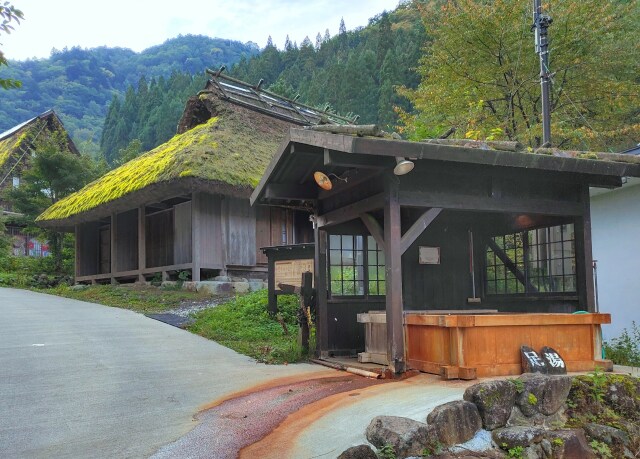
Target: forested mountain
[(354, 71), (80, 83), (148, 114)]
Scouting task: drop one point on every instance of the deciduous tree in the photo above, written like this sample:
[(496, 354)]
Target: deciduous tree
[(480, 73)]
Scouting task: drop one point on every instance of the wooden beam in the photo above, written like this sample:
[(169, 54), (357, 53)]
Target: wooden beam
[(375, 229), (113, 243), (393, 277), (418, 228), (340, 159), (354, 177), (196, 234), (351, 211), (511, 266), (489, 204), (584, 255), (142, 242), (320, 273), (307, 191)]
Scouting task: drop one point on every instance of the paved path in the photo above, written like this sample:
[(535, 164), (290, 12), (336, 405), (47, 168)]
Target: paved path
[(84, 380)]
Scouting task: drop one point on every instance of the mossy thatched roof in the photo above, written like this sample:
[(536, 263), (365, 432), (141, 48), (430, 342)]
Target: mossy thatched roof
[(15, 141), (228, 153)]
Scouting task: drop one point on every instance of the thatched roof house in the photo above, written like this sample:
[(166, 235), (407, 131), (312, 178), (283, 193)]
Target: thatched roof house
[(18, 143), (184, 205)]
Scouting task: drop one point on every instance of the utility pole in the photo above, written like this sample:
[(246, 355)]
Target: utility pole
[(541, 23)]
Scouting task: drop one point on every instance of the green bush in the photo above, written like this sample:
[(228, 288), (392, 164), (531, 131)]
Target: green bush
[(625, 349), (244, 325)]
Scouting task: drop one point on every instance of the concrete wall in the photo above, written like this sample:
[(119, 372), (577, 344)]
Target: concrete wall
[(615, 217)]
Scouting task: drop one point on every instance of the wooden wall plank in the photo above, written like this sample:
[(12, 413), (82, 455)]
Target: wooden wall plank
[(182, 234), (241, 232)]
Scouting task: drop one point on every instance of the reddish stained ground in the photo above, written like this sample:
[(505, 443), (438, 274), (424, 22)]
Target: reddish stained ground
[(229, 425)]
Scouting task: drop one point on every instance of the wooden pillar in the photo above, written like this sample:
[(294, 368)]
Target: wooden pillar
[(76, 243), (320, 273), (393, 276), (113, 242), (142, 243), (584, 255), (196, 234)]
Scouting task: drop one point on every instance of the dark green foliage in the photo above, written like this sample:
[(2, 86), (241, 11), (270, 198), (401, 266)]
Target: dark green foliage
[(79, 83), (53, 172), (244, 325), (9, 16), (148, 115), (354, 72)]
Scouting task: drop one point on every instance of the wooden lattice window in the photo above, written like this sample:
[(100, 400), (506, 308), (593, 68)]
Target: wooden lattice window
[(348, 257), (531, 262)]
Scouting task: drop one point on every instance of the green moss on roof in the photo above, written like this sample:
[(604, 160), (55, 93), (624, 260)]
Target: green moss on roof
[(9, 145), (225, 149)]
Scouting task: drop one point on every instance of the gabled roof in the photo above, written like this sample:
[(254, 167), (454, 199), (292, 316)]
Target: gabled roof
[(17, 140), (227, 136), (288, 180)]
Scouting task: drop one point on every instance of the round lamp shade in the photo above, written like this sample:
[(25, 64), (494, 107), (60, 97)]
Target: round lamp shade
[(322, 180)]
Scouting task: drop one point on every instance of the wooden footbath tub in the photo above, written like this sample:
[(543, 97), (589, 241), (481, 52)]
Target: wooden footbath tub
[(472, 344)]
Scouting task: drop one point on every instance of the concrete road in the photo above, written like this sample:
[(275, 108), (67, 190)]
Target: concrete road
[(83, 380)]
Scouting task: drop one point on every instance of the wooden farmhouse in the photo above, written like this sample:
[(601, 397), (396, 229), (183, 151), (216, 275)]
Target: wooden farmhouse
[(447, 256), (17, 146), (184, 206)]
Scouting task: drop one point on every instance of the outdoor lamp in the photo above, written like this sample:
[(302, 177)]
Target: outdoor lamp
[(403, 166)]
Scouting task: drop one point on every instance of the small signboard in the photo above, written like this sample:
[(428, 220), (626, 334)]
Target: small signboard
[(290, 271), (429, 255)]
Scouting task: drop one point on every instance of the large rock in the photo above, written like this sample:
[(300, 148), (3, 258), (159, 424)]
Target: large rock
[(607, 434), (359, 452), (622, 395), (494, 400), (511, 437), (543, 394), (406, 436), (570, 444), (455, 422), (215, 287)]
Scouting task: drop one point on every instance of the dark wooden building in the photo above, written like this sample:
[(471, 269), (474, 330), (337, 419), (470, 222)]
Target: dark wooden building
[(184, 206), (469, 249)]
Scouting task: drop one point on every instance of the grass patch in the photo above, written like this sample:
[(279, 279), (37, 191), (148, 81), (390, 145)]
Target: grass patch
[(244, 325), (145, 299)]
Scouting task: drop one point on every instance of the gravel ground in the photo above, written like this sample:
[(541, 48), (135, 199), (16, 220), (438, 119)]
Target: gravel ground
[(182, 316)]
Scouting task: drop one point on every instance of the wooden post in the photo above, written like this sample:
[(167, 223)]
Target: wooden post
[(142, 243), (393, 276), (195, 236), (306, 294), (272, 305), (320, 272), (114, 254), (76, 232), (584, 255)]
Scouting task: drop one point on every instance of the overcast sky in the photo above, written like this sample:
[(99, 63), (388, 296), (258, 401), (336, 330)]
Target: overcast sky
[(139, 24)]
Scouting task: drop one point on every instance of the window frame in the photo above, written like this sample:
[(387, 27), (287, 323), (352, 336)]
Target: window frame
[(365, 267), (528, 263)]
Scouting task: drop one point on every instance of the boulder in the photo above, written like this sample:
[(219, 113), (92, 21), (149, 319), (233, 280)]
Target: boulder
[(222, 279), (607, 434), (532, 362), (241, 287), (511, 437), (543, 394), (406, 436), (555, 363), (80, 287), (494, 400), (254, 286), (455, 422), (622, 395), (359, 452), (570, 444), (214, 287)]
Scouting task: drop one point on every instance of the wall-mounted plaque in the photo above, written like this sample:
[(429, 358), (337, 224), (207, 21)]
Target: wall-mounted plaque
[(429, 255), (290, 271)]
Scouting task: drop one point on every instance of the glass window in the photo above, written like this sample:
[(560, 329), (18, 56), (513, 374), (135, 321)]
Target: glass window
[(356, 266), (535, 261)]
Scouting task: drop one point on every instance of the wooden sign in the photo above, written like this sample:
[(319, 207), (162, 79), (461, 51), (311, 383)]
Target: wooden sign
[(429, 255), (290, 271)]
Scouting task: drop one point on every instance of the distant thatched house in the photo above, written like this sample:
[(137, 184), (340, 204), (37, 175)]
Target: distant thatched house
[(17, 145), (184, 206)]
